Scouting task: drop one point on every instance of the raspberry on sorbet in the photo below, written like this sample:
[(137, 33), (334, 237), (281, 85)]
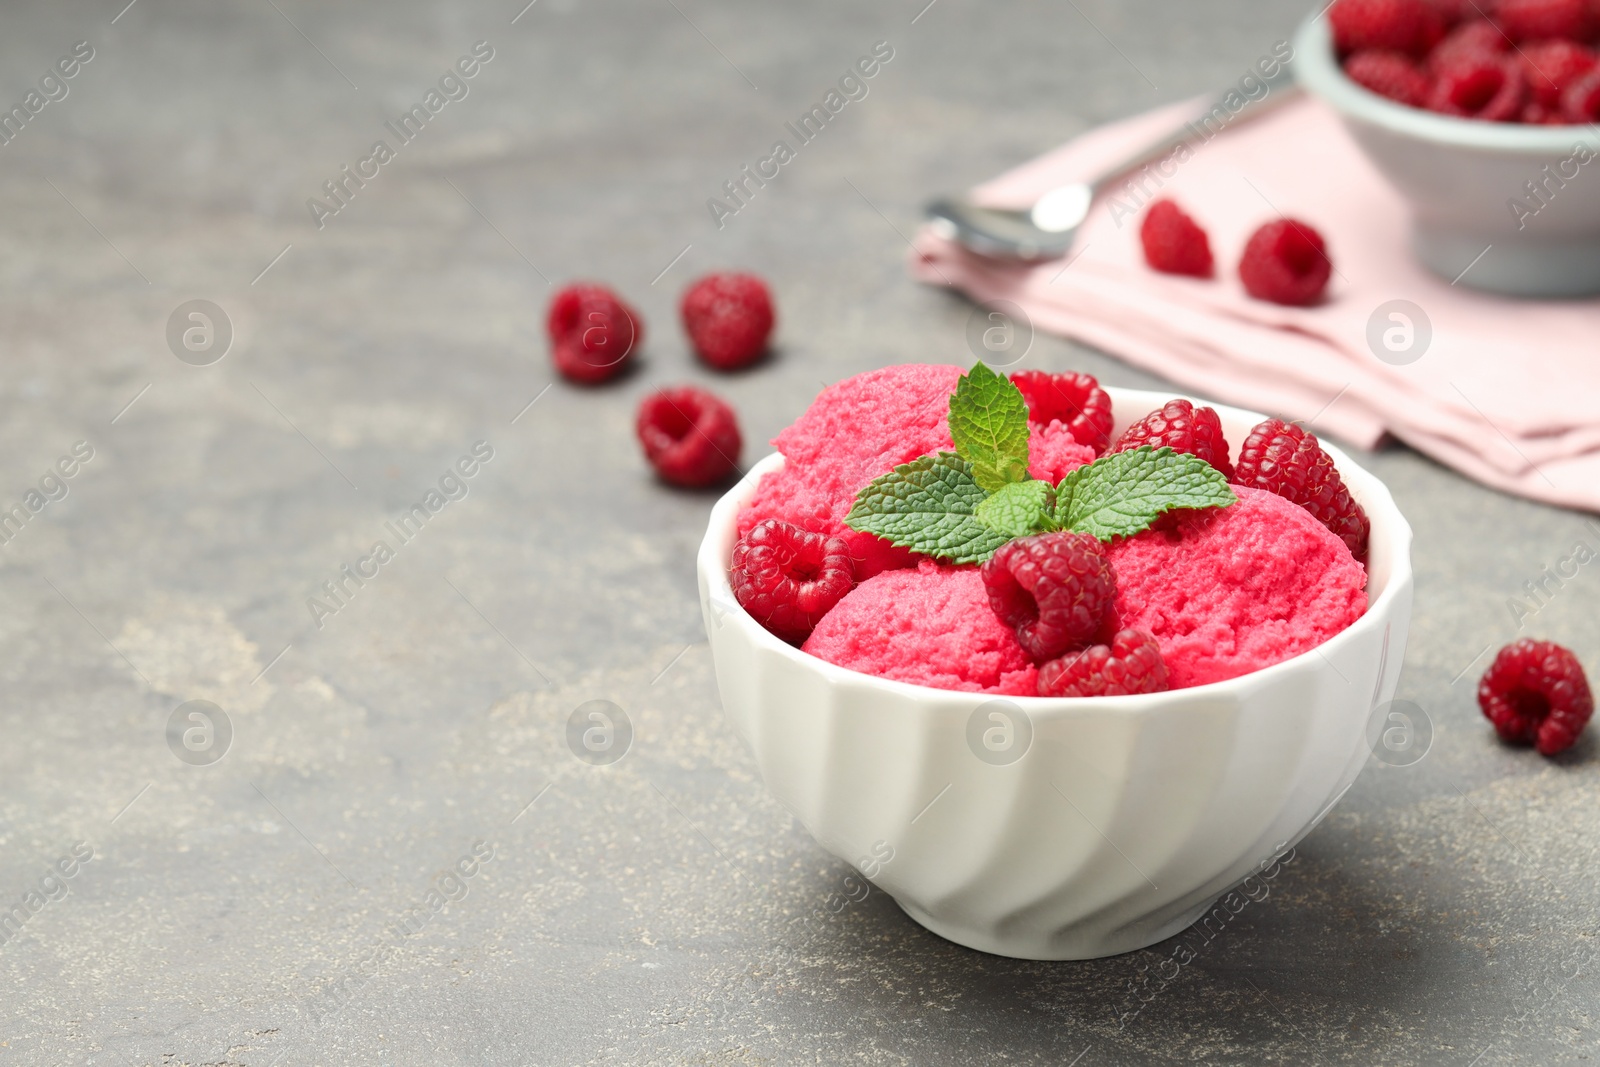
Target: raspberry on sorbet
[(1282, 458), (1182, 427), (1072, 399), (1130, 664), (1053, 589)]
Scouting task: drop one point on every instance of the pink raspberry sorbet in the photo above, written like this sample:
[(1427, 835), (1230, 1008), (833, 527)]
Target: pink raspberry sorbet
[(928, 626), (1053, 451), (1237, 589), (854, 431)]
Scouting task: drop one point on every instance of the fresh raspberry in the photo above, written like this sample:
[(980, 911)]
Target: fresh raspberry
[(1470, 40), (1284, 459), (788, 578), (1182, 427), (1285, 262), (1454, 11), (1549, 67), (1131, 664), (1528, 20), (1536, 114), (1053, 589), (593, 334), (728, 318), (1390, 74), (1482, 87), (690, 437), (1075, 400), (1411, 26), (1173, 242), (1581, 100), (1535, 693)]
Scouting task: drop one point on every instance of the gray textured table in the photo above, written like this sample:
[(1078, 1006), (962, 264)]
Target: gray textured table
[(653, 911)]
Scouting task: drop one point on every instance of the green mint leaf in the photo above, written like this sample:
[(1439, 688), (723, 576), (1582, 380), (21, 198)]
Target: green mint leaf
[(928, 505), (1120, 494), (1018, 509), (989, 425)]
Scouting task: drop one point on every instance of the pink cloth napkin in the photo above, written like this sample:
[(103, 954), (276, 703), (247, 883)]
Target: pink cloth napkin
[(1508, 391)]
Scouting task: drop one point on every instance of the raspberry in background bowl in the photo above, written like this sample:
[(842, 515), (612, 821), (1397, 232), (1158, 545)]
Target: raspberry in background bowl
[(1464, 178), (1119, 821)]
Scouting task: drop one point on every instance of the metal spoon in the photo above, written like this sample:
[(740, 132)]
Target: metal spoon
[(1047, 230)]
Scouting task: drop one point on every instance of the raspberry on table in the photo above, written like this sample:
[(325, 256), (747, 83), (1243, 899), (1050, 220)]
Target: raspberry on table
[(1529, 20), (1535, 693), (1053, 589), (1075, 400), (1131, 664), (788, 578), (1182, 427), (689, 436), (1411, 26), (728, 318), (1286, 262), (593, 334), (1390, 74), (1173, 242), (1549, 67), (1283, 458), (1483, 87)]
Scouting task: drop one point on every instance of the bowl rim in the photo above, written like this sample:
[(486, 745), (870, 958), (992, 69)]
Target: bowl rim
[(1386, 517), (1319, 72)]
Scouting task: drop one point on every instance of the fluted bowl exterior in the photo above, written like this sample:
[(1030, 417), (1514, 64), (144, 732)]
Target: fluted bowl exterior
[(1120, 821)]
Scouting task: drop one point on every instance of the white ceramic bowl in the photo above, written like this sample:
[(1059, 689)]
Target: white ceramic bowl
[(1121, 822), (1462, 178)]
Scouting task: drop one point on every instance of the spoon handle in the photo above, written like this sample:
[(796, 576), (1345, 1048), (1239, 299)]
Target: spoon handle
[(1281, 89)]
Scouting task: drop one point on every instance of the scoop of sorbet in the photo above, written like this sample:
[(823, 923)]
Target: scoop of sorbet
[(932, 626), (1231, 590)]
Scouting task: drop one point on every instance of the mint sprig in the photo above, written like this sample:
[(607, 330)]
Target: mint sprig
[(962, 506), (929, 506), (1120, 494), (1019, 509), (989, 425)]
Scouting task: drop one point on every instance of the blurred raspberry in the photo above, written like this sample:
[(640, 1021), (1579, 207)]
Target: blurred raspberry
[(1285, 262), (1075, 400), (1454, 11), (1487, 88), (689, 436), (1173, 242), (728, 318), (1131, 664), (1469, 40), (1581, 100), (1530, 20), (1390, 74), (1535, 693), (788, 578), (1549, 67), (1282, 458), (593, 334), (1410, 26), (1182, 427)]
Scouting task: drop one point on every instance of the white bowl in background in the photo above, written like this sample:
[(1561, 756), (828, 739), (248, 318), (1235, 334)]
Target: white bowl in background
[(1461, 175), (1123, 820)]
